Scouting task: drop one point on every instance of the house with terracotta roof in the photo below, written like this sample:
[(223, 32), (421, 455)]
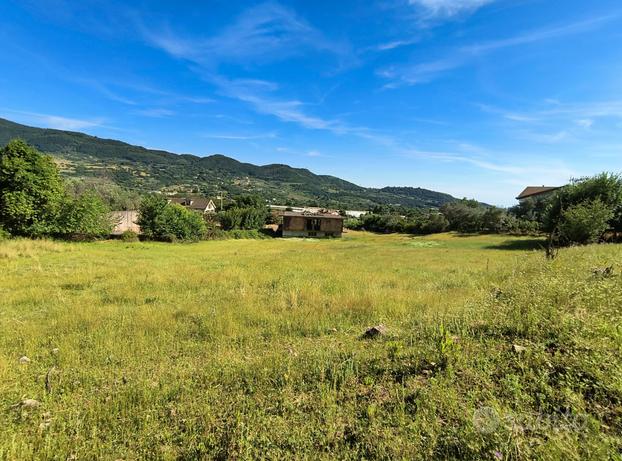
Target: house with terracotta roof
[(536, 192)]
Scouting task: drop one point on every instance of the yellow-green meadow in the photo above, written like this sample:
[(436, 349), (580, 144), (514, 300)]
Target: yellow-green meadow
[(252, 349)]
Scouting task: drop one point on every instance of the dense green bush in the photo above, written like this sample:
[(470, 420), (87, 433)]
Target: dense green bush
[(585, 223), (247, 213), (584, 209), (129, 236), (31, 191), (238, 234), (84, 217), (160, 220), (464, 215), (421, 222)]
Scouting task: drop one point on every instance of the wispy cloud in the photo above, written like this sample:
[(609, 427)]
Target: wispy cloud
[(53, 121), (528, 172), (156, 112), (396, 44), (448, 8), (580, 114), (263, 33), (240, 137), (423, 72), (260, 95)]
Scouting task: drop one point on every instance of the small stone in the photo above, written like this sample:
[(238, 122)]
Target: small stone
[(518, 349), (55, 351), (23, 359), (29, 403), (375, 331)]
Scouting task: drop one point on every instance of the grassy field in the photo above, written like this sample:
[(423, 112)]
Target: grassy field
[(251, 349)]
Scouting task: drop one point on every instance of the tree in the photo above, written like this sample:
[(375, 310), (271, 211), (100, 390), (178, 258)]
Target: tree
[(585, 223), (568, 216), (31, 191), (464, 215), (114, 196), (492, 219), (160, 220), (179, 223), (433, 223), (247, 212), (84, 217), (150, 209)]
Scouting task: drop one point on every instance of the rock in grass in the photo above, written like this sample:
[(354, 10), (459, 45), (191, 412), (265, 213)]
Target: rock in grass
[(518, 349), (24, 360), (28, 404), (375, 332), (55, 351)]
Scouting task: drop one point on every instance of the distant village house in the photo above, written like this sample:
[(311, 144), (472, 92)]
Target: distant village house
[(200, 204), (535, 192), (305, 224)]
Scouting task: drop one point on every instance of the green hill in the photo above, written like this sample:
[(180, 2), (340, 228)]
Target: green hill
[(83, 156)]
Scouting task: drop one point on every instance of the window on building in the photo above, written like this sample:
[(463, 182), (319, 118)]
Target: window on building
[(313, 224)]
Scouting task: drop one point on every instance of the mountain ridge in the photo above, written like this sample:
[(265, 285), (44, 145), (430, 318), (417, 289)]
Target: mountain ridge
[(80, 155)]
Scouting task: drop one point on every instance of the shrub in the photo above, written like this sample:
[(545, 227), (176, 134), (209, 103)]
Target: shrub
[(245, 234), (605, 187), (160, 220), (433, 223), (84, 218), (585, 222), (4, 235), (464, 216), (243, 218), (129, 236)]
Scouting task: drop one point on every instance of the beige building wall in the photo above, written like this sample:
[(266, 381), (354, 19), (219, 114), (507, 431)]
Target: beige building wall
[(125, 221)]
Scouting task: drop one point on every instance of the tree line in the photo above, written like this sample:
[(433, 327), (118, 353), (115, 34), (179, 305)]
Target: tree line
[(584, 211), (36, 202)]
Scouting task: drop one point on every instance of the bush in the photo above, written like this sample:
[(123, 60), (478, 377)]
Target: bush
[(84, 218), (243, 218), (433, 223), (160, 220), (129, 236), (464, 216), (4, 235), (245, 234), (585, 223), (605, 187)]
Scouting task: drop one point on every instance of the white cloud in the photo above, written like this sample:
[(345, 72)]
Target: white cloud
[(259, 94), (314, 153), (424, 72), (240, 137), (54, 121), (448, 8), (156, 112), (585, 123), (263, 33)]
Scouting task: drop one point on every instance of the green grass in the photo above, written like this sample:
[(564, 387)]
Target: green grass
[(251, 349)]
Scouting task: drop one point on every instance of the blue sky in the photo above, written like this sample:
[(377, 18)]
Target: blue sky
[(477, 98)]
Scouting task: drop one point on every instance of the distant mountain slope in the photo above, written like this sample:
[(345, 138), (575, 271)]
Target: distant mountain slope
[(82, 155)]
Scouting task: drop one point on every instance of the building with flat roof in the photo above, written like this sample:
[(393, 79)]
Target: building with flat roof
[(297, 224)]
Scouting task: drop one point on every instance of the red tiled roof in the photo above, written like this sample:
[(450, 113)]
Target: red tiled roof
[(531, 191)]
